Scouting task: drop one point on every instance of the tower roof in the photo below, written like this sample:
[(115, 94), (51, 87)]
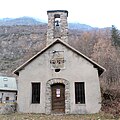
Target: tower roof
[(51, 11)]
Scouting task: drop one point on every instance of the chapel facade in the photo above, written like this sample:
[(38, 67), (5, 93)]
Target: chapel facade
[(59, 79)]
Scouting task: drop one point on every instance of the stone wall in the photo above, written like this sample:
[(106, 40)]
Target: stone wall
[(62, 30)]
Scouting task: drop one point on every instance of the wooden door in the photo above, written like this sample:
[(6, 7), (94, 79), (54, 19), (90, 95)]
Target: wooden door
[(58, 98)]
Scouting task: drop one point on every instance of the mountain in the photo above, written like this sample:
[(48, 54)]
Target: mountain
[(33, 21), (80, 26), (19, 21)]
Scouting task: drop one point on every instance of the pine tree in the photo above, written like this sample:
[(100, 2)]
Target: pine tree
[(115, 36)]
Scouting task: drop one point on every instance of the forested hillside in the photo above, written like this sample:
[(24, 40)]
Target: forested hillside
[(19, 43)]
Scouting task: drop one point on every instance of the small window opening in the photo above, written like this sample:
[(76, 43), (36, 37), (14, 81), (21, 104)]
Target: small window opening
[(5, 79), (57, 70), (57, 92), (35, 92), (7, 98), (15, 97), (79, 92), (5, 85)]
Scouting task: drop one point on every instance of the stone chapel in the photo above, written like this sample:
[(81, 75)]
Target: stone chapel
[(59, 78)]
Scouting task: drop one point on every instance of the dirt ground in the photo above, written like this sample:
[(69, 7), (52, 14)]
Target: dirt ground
[(18, 116)]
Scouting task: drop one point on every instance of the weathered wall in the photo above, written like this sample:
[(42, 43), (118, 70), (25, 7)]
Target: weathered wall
[(77, 69), (4, 94)]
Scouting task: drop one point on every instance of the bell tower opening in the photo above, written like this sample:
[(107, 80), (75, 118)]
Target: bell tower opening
[(57, 25), (57, 19), (57, 31)]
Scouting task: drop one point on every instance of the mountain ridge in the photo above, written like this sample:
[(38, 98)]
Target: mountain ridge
[(33, 21), (19, 21)]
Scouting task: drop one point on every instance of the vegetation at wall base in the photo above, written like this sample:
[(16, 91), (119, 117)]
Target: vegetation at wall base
[(29, 116)]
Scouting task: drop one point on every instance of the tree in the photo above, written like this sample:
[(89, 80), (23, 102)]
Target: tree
[(115, 36), (106, 54)]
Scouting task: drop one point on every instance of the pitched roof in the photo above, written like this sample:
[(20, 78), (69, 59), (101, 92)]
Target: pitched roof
[(8, 83), (96, 65)]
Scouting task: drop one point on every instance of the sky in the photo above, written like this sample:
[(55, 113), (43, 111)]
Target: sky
[(96, 13)]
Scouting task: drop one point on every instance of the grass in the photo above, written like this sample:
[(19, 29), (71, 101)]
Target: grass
[(21, 116)]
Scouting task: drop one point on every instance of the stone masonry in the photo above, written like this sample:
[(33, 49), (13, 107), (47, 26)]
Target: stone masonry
[(63, 28), (48, 94)]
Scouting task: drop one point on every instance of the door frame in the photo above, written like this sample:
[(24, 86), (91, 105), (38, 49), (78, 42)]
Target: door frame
[(48, 106)]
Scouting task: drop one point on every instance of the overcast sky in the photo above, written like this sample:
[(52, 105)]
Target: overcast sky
[(96, 13)]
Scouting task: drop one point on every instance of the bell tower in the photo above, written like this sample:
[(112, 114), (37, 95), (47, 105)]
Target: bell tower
[(57, 25)]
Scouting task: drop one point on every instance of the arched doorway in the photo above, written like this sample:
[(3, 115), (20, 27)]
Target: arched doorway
[(58, 98), (66, 86)]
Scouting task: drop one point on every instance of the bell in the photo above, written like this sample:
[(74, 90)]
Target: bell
[(57, 23)]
